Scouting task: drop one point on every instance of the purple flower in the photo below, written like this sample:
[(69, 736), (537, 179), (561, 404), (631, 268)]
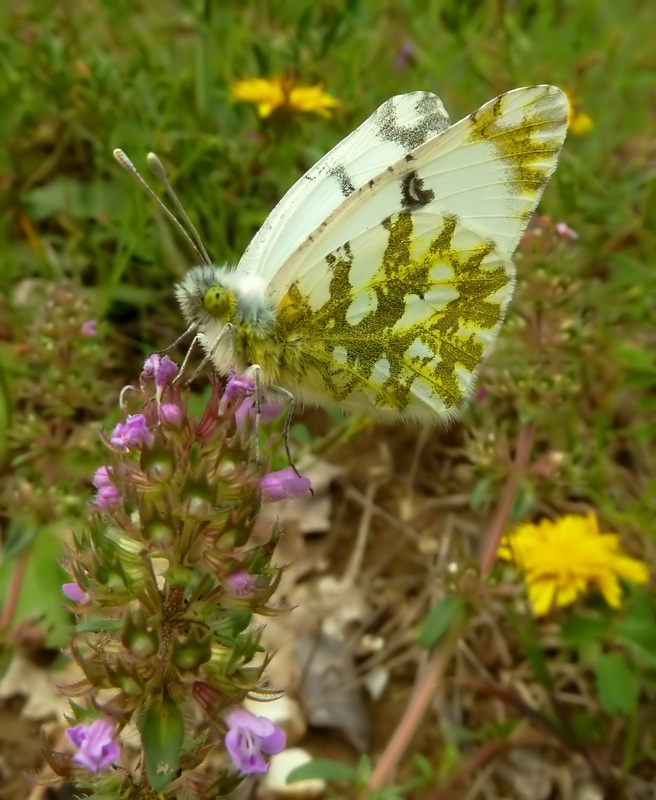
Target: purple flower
[(170, 414), (282, 484), (160, 368), (131, 432), (250, 736), (107, 497), (96, 748), (237, 386), (270, 411), (89, 328), (240, 583), (405, 56), (74, 593), (563, 230), (103, 477)]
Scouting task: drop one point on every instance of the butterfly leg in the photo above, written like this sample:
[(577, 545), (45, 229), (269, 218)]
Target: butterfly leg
[(185, 360), (255, 372), (182, 336), (288, 398), (228, 330)]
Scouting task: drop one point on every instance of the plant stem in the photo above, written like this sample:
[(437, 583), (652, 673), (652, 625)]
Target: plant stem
[(501, 518)]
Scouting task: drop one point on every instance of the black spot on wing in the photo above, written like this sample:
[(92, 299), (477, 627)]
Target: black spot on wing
[(346, 185), (430, 120), (414, 194)]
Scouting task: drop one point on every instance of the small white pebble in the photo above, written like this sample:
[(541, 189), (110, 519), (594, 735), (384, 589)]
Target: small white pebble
[(275, 785)]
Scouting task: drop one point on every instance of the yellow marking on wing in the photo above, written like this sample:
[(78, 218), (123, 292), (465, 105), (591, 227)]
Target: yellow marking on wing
[(530, 159), (430, 345)]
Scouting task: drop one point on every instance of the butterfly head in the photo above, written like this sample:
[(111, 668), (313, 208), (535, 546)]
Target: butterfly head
[(220, 294)]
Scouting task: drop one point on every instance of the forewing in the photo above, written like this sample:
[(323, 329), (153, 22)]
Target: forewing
[(398, 297), (401, 124)]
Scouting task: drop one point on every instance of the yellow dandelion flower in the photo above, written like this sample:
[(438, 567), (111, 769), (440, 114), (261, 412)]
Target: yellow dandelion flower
[(564, 558), (281, 95), (578, 121)]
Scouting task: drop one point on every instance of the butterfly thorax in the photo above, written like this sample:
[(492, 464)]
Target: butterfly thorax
[(212, 298)]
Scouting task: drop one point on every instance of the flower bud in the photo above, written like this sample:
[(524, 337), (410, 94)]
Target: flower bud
[(141, 639), (179, 577), (198, 497), (210, 698), (158, 533), (158, 463), (189, 651), (128, 681)]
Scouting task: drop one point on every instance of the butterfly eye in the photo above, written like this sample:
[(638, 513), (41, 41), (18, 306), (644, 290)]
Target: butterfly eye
[(220, 303)]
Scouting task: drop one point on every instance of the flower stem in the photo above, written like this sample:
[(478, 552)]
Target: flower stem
[(501, 518), (414, 712), (14, 591)]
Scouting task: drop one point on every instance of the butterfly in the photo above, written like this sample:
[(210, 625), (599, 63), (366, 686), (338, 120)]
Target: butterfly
[(379, 282)]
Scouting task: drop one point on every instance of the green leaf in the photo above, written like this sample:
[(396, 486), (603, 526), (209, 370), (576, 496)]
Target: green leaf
[(21, 535), (162, 734), (480, 493), (578, 630), (41, 599), (638, 628), (439, 621), (523, 502), (324, 769), (617, 685), (528, 636)]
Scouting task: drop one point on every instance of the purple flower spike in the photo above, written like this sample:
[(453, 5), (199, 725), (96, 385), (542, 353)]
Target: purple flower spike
[(96, 748), (283, 484), (131, 432), (74, 593), (89, 327), (249, 737), (240, 583)]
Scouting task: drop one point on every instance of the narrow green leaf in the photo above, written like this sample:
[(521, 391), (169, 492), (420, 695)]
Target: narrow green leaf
[(439, 621), (324, 769), (480, 493)]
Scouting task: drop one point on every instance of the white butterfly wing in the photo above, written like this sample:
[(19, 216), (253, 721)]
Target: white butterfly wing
[(488, 170), (401, 124), (393, 301)]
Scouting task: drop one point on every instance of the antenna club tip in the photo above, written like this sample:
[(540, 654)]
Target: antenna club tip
[(123, 160), (156, 166)]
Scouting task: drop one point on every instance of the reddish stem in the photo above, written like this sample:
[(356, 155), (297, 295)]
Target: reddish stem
[(14, 591), (502, 517), (425, 687), (419, 702)]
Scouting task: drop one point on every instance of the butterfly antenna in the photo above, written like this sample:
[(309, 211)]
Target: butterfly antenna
[(157, 168), (127, 165)]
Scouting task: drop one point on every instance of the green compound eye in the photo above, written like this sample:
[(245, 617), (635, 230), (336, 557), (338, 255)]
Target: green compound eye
[(220, 303)]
